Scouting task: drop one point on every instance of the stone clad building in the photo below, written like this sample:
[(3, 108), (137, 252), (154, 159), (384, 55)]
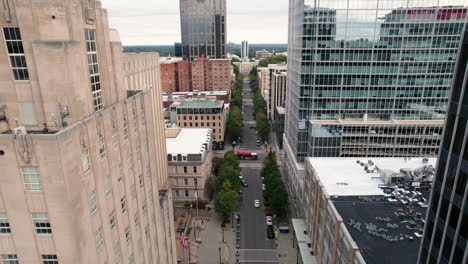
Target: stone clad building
[(84, 170)]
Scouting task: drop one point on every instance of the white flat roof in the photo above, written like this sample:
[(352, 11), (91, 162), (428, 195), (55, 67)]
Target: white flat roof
[(188, 141), (345, 177)]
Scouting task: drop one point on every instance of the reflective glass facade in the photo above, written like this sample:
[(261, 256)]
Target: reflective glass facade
[(203, 28), (446, 234), (381, 63)]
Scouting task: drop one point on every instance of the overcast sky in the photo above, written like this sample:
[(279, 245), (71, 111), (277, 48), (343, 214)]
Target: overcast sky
[(157, 22)]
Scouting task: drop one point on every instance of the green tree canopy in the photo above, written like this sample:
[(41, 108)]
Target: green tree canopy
[(227, 200), (263, 126), (272, 60), (235, 123)]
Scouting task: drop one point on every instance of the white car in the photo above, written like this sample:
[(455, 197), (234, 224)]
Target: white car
[(269, 220), (263, 187), (256, 203)]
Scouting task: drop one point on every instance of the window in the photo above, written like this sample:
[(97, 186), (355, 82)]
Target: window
[(119, 174), (101, 149), (194, 169), (131, 259), (107, 186), (49, 259), (133, 191), (144, 209), (112, 219), (42, 223), (186, 193), (98, 237), (129, 163), (16, 53), (135, 123), (127, 234), (4, 224), (185, 169), (147, 232), (138, 153), (136, 219), (94, 76), (115, 141), (9, 259), (140, 245), (32, 178), (85, 164), (117, 252), (195, 181), (186, 181), (177, 193), (123, 204), (140, 180), (125, 129), (92, 202)]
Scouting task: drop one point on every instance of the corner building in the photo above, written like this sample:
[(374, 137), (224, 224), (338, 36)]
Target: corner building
[(368, 78), (84, 170), (446, 234)]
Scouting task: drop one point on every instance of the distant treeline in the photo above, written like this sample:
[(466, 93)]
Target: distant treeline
[(166, 50)]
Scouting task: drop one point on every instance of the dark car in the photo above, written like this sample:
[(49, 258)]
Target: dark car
[(244, 183), (270, 232)]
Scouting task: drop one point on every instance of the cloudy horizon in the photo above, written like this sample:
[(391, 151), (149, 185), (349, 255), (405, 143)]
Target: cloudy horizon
[(157, 22)]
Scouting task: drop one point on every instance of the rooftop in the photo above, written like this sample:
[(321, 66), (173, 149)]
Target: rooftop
[(202, 103), (187, 140), (346, 177)]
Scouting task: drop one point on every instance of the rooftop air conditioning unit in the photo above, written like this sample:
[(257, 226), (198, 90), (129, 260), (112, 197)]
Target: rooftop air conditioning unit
[(20, 130)]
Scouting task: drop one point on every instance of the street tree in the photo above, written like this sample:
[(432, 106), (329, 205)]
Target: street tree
[(227, 200), (235, 123)]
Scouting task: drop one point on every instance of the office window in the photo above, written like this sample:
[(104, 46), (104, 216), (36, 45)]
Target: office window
[(135, 123), (92, 202), (16, 53), (177, 193), (129, 163), (49, 259), (186, 193), (123, 204), (42, 223), (117, 252), (195, 181), (138, 153), (9, 259), (136, 219), (144, 209), (115, 140), (112, 219), (185, 169), (186, 181), (98, 237), (32, 178), (4, 224), (140, 180), (131, 259), (101, 149), (147, 232), (94, 76), (107, 186), (127, 234), (119, 174), (194, 169), (125, 129), (140, 245), (85, 163), (133, 191)]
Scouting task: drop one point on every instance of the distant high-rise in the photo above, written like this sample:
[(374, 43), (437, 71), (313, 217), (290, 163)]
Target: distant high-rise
[(368, 80), (203, 28), (245, 49), (446, 234)]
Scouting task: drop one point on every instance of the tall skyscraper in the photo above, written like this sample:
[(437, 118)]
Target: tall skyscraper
[(203, 28), (369, 79), (446, 234), (82, 147), (245, 49)]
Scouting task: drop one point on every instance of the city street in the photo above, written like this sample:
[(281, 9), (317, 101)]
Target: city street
[(255, 246)]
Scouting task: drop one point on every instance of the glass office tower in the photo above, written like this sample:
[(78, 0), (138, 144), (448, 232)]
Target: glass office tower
[(446, 234), (370, 78), (203, 28)]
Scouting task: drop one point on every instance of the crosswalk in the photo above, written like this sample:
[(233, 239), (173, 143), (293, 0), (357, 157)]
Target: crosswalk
[(256, 256)]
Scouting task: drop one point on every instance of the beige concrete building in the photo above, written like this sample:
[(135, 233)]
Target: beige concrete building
[(355, 211), (204, 112), (189, 155), (278, 92), (84, 170), (272, 87), (246, 66)]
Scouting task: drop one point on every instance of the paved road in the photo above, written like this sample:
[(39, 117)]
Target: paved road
[(255, 247)]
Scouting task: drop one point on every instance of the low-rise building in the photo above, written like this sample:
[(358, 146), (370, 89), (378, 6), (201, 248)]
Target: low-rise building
[(246, 66), (175, 75), (189, 155), (262, 54), (362, 211), (201, 113)]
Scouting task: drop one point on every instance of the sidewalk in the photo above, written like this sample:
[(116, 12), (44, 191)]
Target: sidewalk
[(211, 246)]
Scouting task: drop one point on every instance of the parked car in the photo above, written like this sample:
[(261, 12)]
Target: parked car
[(258, 142), (244, 183), (256, 203), (263, 187), (269, 220), (270, 232)]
